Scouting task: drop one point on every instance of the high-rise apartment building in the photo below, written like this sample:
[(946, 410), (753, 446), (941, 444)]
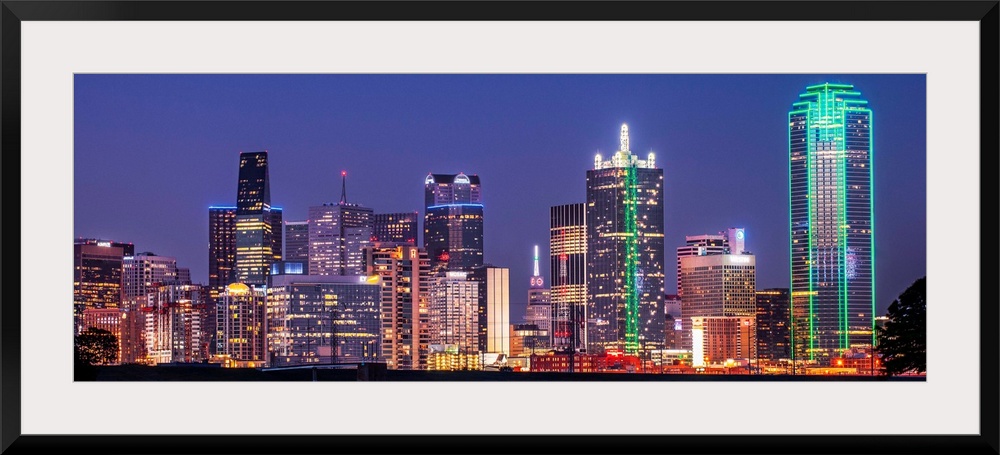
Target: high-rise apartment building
[(568, 276), (406, 284), (830, 195), (175, 324), (324, 319), (338, 236), (254, 231), (718, 285), (625, 252), (454, 312), (241, 330), (773, 323), (453, 221), (398, 228)]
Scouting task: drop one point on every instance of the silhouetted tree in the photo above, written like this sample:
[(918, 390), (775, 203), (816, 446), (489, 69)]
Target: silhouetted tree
[(96, 346), (903, 341)]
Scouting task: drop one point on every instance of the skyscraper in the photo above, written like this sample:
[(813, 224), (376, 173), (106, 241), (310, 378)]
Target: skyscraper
[(400, 228), (97, 275), (832, 240), (406, 282), (453, 221), (338, 235), (297, 242), (241, 339), (730, 241), (454, 313), (494, 308), (625, 252), (175, 329), (254, 242), (717, 285), (772, 324), (221, 249), (568, 276), (144, 272)]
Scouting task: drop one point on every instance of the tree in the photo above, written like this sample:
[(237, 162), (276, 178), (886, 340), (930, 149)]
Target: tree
[(903, 341), (96, 346)]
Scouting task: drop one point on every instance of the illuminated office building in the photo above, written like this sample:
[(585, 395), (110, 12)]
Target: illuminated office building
[(254, 231), (297, 242), (568, 277), (324, 319), (772, 324), (718, 285), (406, 284), (109, 319), (147, 271), (338, 236), (830, 192), (730, 241), (625, 252), (221, 249), (97, 275), (453, 221), (398, 228), (720, 339)]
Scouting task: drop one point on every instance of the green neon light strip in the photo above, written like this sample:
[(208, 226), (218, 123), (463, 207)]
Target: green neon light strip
[(631, 252), (871, 212), (791, 250)]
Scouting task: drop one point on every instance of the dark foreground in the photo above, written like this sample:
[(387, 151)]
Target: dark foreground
[(207, 373)]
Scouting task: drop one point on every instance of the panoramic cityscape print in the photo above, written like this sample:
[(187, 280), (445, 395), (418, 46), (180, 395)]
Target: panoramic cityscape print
[(483, 227)]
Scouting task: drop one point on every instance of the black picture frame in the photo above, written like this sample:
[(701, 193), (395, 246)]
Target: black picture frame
[(12, 13)]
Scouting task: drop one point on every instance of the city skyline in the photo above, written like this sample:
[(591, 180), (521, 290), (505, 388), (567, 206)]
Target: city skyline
[(531, 178)]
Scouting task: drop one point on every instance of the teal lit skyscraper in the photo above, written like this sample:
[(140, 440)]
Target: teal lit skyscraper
[(830, 199)]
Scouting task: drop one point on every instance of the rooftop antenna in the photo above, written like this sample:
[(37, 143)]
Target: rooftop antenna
[(343, 187)]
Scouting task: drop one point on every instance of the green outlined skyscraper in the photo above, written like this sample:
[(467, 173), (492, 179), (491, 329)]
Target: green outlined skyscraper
[(831, 223)]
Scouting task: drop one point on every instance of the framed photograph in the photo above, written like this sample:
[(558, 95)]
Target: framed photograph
[(582, 227)]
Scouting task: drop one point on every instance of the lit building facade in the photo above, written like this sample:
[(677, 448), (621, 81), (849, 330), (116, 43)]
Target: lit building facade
[(406, 283), (832, 240), (297, 242), (221, 249), (254, 231), (241, 330), (773, 322), (539, 309), (324, 319), (568, 277), (720, 339), (454, 312), (398, 228), (730, 241), (453, 221), (625, 264), (97, 275), (338, 236), (718, 285), (147, 271), (174, 328), (109, 319), (494, 308)]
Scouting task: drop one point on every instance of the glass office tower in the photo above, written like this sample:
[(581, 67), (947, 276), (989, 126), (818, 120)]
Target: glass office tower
[(830, 199), (625, 252)]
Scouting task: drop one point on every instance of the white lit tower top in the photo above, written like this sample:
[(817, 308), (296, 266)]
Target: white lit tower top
[(624, 157)]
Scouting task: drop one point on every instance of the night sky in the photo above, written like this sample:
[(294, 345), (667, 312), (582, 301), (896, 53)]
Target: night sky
[(152, 152)]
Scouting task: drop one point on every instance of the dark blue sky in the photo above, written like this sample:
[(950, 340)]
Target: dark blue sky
[(152, 152)]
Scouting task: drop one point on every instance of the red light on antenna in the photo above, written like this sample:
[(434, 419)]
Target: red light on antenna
[(343, 173)]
